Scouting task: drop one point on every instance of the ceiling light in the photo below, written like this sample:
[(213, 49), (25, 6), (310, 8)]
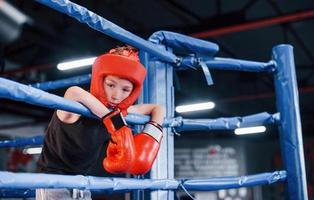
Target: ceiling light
[(34, 150), (195, 107), (76, 63), (12, 13), (11, 23), (250, 130)]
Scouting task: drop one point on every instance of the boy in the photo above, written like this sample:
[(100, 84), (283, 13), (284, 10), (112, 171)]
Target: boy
[(76, 145)]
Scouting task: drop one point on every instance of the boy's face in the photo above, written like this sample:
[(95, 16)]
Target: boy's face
[(116, 89)]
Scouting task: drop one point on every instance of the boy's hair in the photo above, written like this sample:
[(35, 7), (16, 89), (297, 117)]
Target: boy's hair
[(127, 51), (120, 50)]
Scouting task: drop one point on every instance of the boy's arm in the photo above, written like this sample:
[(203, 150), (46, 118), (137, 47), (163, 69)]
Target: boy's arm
[(157, 112), (87, 99)]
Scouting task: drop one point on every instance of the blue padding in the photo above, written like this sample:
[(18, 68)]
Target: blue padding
[(37, 140), (11, 180), (102, 25), (235, 182), (290, 128), (184, 43), (20, 92), (240, 65), (225, 123), (228, 64), (182, 124), (133, 118), (63, 83)]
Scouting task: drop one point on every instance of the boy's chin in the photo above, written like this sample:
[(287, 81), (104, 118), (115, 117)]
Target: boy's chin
[(112, 107)]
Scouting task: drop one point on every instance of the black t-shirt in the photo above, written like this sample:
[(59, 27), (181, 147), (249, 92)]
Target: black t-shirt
[(77, 148)]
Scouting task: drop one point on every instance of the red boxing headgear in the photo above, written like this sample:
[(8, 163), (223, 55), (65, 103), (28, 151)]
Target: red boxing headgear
[(126, 66)]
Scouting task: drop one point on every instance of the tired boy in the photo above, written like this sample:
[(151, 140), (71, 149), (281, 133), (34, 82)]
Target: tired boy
[(74, 144)]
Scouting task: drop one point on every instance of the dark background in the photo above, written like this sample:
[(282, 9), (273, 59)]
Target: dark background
[(30, 50)]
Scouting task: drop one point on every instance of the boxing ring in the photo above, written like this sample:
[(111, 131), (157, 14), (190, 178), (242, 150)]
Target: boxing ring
[(157, 55)]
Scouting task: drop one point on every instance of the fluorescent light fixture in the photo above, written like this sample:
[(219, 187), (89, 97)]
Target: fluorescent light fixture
[(195, 107), (76, 63), (250, 130), (14, 14), (34, 150)]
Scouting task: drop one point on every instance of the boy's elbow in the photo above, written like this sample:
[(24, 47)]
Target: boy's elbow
[(72, 92), (159, 114)]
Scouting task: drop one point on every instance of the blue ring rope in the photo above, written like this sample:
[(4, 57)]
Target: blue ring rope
[(11, 180)]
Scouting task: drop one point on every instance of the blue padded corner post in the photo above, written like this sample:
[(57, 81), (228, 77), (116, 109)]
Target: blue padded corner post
[(290, 122), (158, 89)]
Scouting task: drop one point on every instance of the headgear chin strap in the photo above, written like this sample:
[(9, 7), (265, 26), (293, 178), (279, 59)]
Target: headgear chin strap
[(125, 66)]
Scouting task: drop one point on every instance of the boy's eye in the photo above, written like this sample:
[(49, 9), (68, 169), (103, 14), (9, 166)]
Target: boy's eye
[(126, 90), (110, 85)]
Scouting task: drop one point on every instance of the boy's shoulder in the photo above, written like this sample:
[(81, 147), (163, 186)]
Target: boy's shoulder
[(67, 117)]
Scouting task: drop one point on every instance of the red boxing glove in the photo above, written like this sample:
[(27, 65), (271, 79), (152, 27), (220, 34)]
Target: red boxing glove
[(147, 145), (120, 151)]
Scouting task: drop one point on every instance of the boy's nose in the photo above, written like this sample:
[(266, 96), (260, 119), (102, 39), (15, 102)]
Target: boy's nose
[(115, 98), (115, 95)]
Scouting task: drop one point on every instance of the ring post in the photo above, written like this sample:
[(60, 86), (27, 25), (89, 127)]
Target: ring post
[(290, 123), (158, 88)]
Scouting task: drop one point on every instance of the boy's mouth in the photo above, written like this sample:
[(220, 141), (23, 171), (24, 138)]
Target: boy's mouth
[(112, 104)]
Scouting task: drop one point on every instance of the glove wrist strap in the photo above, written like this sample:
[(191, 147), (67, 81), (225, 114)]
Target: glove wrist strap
[(155, 124), (154, 131), (114, 120)]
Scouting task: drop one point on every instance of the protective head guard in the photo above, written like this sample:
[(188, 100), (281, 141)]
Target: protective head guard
[(126, 66)]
